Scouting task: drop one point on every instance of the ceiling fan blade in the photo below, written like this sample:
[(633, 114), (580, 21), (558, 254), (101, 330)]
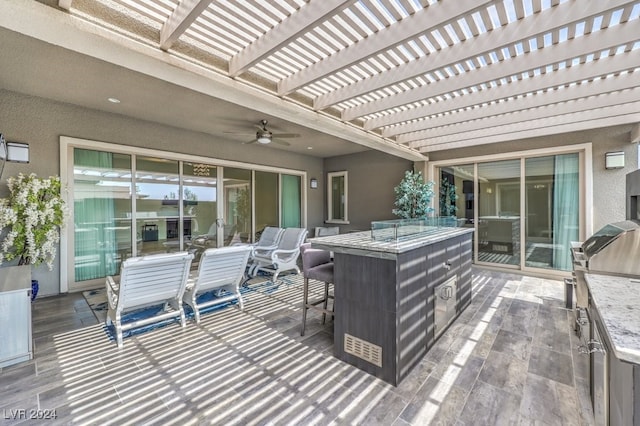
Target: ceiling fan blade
[(279, 142), (238, 133), (249, 142), (286, 135)]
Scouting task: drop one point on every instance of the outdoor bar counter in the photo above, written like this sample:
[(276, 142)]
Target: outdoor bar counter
[(396, 293)]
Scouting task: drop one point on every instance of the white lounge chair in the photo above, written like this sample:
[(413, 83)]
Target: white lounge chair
[(284, 257), (269, 239), (145, 281), (219, 269)]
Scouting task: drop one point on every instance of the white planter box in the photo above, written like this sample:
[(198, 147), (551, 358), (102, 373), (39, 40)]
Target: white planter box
[(16, 344)]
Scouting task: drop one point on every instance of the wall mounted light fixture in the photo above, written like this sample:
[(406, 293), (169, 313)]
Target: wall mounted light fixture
[(313, 183), (614, 160), (17, 152)]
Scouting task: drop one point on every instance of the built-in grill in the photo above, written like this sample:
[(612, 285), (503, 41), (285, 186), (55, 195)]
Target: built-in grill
[(613, 250)]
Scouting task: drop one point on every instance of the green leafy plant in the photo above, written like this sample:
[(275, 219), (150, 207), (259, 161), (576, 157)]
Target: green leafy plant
[(30, 220), (413, 196), (448, 198)]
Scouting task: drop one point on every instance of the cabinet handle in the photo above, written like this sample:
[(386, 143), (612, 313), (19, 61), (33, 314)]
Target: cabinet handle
[(446, 293)]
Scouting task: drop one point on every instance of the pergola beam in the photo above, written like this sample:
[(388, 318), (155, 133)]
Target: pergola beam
[(560, 102), (541, 23), (591, 43), (65, 4), (308, 17), (180, 20), (604, 66), (573, 122), (421, 22)]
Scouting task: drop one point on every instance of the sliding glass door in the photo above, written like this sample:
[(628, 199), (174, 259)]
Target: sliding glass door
[(526, 211), (133, 204)]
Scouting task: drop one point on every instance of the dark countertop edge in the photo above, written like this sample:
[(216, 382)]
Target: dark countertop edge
[(383, 250), (629, 355)]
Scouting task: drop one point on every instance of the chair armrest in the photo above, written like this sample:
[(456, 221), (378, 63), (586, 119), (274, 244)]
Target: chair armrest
[(113, 290), (264, 250), (275, 253)]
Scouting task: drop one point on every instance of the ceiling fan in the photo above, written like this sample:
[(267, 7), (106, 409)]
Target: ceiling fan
[(264, 136)]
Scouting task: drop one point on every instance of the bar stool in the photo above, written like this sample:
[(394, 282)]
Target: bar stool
[(316, 265)]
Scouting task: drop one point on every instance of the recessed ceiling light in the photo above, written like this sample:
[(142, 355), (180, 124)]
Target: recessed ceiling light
[(114, 100), (309, 147)]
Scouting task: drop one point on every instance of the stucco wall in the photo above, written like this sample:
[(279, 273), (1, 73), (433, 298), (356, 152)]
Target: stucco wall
[(40, 123), (372, 177), (608, 185)]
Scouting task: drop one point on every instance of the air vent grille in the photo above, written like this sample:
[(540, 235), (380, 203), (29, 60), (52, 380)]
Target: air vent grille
[(363, 349)]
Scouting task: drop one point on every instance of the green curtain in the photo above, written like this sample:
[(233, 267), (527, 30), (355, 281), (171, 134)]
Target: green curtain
[(95, 240), (291, 201), (566, 192)]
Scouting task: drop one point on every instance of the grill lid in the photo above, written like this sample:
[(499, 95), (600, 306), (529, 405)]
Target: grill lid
[(605, 236)]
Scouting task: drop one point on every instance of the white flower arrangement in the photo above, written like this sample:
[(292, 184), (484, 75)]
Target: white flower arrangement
[(30, 220)]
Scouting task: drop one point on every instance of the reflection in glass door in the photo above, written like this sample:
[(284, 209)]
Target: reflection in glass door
[(236, 222), (266, 199), (499, 212), (157, 212), (200, 208)]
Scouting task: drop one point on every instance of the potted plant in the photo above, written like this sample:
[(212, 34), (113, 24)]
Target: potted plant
[(448, 198), (30, 220), (413, 196)]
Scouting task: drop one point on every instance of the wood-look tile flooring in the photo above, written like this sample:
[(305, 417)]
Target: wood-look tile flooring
[(510, 358)]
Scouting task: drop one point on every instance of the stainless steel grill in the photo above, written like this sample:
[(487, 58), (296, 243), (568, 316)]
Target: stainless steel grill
[(613, 250)]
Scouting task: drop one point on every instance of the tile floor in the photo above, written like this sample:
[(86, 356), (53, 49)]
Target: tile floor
[(510, 358)]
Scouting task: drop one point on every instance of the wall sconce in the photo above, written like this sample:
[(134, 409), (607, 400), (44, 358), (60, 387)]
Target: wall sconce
[(614, 160), (313, 183), (17, 152)]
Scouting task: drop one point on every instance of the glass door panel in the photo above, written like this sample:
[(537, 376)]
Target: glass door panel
[(101, 214), (552, 203), (157, 210), (266, 199), (456, 195), (236, 222), (291, 199), (200, 208), (499, 212)]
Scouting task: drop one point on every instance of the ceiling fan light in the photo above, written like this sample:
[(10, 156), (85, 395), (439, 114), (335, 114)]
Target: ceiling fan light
[(264, 139)]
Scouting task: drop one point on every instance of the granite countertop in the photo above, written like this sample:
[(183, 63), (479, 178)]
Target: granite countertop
[(361, 243), (617, 300)]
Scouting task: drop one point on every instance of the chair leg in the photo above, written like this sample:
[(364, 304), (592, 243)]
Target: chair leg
[(240, 301), (326, 300), (305, 300)]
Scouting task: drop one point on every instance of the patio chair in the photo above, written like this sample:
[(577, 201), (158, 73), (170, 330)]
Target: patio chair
[(269, 239), (323, 231), (146, 281), (284, 257), (219, 269)]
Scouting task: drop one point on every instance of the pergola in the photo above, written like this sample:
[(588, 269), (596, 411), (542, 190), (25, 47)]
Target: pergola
[(409, 77)]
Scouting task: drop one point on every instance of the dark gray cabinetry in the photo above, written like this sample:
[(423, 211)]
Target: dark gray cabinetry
[(389, 303)]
